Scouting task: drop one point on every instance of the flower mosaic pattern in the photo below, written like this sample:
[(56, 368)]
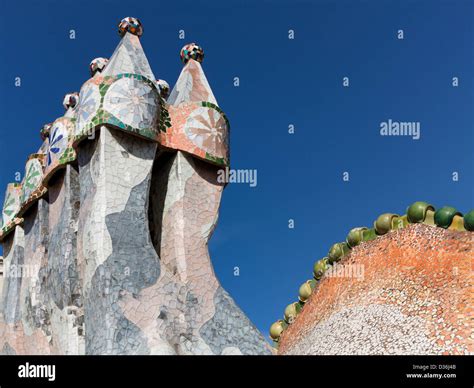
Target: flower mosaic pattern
[(207, 129), (129, 102), (89, 101), (33, 178), (58, 142), (11, 207), (133, 102)]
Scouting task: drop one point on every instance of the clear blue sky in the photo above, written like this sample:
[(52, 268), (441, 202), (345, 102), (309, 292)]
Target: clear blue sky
[(282, 82)]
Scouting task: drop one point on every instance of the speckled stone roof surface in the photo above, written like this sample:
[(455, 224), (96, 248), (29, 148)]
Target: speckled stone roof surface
[(412, 294)]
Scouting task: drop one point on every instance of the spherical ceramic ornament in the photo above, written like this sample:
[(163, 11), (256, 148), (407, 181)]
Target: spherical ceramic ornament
[(131, 25), (192, 51), (70, 100), (97, 65), (45, 131), (164, 88)]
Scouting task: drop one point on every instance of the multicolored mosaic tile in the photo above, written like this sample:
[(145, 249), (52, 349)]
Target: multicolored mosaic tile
[(191, 86), (32, 186), (60, 151), (129, 57), (129, 102), (11, 207), (44, 147), (199, 128)]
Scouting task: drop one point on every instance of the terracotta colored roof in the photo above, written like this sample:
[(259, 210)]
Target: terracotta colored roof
[(418, 213)]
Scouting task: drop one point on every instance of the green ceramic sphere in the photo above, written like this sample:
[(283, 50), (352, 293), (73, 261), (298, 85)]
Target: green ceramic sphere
[(320, 267), (335, 253), (417, 211), (444, 216), (469, 221), (292, 311), (383, 224), (355, 236), (305, 291), (276, 329)]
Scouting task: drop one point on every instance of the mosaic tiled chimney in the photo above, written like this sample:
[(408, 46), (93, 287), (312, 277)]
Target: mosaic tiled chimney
[(112, 220)]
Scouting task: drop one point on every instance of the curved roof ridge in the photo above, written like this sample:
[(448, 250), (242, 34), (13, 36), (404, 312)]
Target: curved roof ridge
[(446, 217)]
